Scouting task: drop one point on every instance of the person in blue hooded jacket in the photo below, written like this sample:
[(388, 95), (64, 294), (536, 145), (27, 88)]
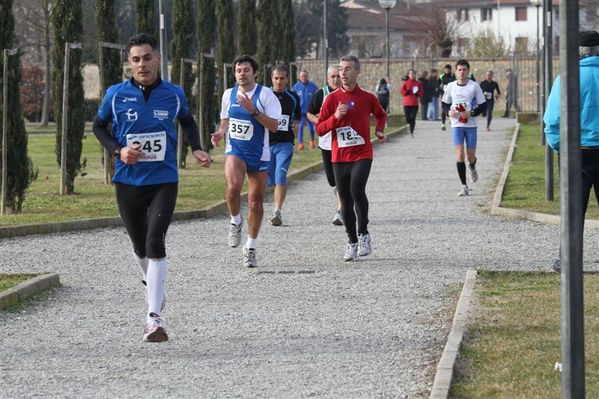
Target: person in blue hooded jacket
[(589, 117)]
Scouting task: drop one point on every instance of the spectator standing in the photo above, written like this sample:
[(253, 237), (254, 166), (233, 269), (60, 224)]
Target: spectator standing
[(511, 93), (427, 94), (305, 89), (411, 90), (435, 88), (382, 93)]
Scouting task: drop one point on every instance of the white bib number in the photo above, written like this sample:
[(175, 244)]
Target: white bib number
[(348, 137), (152, 145), (283, 123), (488, 96), (241, 129)]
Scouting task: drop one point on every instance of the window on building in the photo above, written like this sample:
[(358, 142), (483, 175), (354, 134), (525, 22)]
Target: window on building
[(521, 14), (521, 45), (462, 14), (486, 14)]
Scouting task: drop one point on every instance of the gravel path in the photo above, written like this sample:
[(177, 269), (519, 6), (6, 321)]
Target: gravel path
[(304, 324)]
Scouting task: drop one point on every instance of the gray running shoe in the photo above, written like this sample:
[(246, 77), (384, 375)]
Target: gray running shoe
[(249, 257), (364, 245), (351, 252), (464, 191), (235, 234), (276, 220), (338, 219), (473, 175)]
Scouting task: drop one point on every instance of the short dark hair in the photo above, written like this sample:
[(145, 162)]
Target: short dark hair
[(447, 66), (463, 62), (352, 58), (140, 39), (280, 68), (246, 58)]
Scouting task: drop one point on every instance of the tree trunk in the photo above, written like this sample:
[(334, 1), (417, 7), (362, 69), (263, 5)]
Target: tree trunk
[(47, 66)]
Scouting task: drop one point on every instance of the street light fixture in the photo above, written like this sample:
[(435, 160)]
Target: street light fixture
[(387, 5)]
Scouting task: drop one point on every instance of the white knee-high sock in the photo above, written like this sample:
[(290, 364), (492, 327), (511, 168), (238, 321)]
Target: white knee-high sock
[(143, 264), (156, 280)]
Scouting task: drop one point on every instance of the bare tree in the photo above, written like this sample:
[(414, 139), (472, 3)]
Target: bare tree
[(33, 34), (439, 31)]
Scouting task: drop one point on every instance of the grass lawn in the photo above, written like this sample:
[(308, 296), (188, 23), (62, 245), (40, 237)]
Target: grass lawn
[(513, 338), (525, 186), (198, 187), (10, 280)]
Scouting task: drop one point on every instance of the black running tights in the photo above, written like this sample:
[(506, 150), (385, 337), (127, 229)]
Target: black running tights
[(146, 212), (351, 178), (411, 111)]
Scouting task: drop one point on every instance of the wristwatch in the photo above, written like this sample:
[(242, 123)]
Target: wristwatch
[(256, 113), (117, 152)]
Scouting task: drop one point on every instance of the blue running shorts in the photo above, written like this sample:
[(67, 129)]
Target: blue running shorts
[(461, 134), (280, 159)]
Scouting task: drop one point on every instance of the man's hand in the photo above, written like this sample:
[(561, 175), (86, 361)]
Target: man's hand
[(453, 113), (130, 155), (341, 111), (216, 136), (202, 157), (295, 126), (380, 136), (246, 102)]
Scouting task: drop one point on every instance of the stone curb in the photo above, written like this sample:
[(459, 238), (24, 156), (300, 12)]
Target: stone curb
[(204, 213), (444, 375), (498, 210), (27, 289)]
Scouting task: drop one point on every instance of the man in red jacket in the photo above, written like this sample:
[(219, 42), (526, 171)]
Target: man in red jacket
[(346, 113), (411, 90)]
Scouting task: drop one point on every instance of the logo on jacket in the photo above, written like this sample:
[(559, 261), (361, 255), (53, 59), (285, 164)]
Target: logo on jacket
[(160, 114), (131, 115), (130, 99)]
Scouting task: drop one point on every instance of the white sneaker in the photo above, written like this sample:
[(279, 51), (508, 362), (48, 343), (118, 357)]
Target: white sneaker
[(276, 220), (364, 245), (155, 329), (351, 251), (338, 219), (464, 191), (249, 257), (235, 234), (473, 175)]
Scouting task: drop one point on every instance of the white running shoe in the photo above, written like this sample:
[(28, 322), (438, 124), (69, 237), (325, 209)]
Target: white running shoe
[(364, 245), (351, 251), (464, 191), (155, 329), (249, 257), (276, 220), (235, 234), (473, 175), (338, 219)]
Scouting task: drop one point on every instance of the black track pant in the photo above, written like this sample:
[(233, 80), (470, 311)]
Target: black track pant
[(351, 178), (488, 112), (590, 177), (146, 212), (328, 166), (411, 111)]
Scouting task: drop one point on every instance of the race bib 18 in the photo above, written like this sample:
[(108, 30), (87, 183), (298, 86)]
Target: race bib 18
[(153, 145), (241, 129), (348, 137)]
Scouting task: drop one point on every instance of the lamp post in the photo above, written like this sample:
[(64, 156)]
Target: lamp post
[(537, 4), (387, 5)]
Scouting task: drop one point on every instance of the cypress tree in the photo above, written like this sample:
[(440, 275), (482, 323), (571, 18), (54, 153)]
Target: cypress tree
[(181, 47), (20, 169), (225, 51), (68, 28), (287, 32), (145, 17), (206, 29), (246, 27), (267, 33), (112, 71)]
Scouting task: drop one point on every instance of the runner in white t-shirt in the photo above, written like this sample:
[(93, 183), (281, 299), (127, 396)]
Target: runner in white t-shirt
[(465, 100)]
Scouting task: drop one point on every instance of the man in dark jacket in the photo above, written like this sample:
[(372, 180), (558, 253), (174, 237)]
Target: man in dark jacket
[(446, 77)]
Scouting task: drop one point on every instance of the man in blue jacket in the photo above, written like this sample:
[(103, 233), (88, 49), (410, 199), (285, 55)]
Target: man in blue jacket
[(305, 90), (589, 118)]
